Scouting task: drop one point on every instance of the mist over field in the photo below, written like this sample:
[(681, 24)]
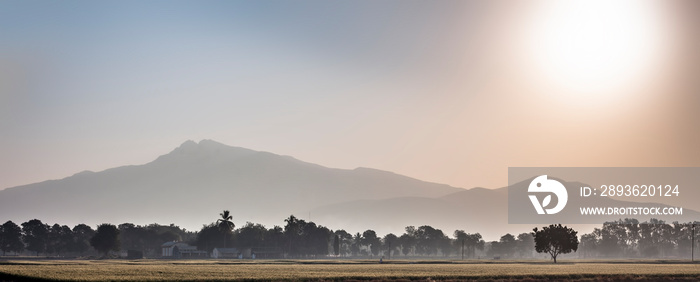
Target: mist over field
[(279, 207)]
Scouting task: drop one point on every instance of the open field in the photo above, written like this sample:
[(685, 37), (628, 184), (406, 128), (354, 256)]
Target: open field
[(221, 270)]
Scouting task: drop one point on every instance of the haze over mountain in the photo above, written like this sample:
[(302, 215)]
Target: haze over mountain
[(192, 184)]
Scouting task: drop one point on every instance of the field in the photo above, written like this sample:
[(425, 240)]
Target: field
[(222, 270)]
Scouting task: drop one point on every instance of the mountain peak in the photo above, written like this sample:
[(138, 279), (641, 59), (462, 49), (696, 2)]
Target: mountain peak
[(204, 144), (204, 149), (188, 145)]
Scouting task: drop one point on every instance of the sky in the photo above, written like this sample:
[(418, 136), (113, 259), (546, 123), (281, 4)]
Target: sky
[(452, 92)]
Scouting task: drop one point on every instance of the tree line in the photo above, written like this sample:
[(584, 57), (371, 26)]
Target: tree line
[(628, 238), (299, 238), (37, 238)]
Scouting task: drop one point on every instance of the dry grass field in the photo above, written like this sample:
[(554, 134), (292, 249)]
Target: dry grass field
[(222, 270)]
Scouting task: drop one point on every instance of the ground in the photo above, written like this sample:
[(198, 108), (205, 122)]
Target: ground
[(222, 270)]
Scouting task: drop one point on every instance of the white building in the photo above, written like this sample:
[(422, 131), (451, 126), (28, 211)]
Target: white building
[(179, 249)]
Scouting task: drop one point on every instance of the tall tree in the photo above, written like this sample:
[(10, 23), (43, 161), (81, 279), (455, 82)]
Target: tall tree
[(408, 240), (36, 234), (507, 245), (226, 225), (106, 239), (317, 239), (429, 240), (11, 238), (525, 244), (356, 244), (60, 239), (275, 237), (474, 242), (370, 239), (292, 231), (460, 240), (390, 243), (81, 238), (555, 240), (208, 237), (589, 245), (251, 235), (345, 241)]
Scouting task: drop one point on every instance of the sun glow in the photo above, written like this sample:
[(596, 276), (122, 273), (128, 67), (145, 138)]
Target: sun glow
[(592, 50)]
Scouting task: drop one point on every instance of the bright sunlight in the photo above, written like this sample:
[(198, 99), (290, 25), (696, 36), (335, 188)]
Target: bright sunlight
[(592, 49)]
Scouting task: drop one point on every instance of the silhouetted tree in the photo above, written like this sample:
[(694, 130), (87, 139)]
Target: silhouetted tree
[(251, 235), (445, 245), (507, 245), (611, 238), (632, 235), (460, 241), (525, 244), (59, 239), (36, 234), (345, 241), (589, 245), (208, 237), (390, 242), (11, 238), (317, 239), (356, 244), (555, 240), (408, 240), (292, 231), (474, 242), (81, 238), (629, 238), (106, 239), (494, 249), (429, 240), (681, 238), (131, 237), (275, 237), (225, 224), (370, 239)]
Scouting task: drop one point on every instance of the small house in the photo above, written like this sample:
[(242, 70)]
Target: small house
[(188, 251), (176, 249)]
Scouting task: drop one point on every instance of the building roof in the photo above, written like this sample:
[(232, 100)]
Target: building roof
[(168, 244)]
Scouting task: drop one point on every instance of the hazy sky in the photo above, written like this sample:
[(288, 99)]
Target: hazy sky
[(452, 92)]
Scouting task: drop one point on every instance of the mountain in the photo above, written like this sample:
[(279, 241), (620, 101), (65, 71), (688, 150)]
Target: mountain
[(192, 184), (473, 210)]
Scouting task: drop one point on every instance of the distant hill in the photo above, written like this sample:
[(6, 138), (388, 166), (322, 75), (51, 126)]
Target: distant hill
[(474, 210), (192, 184)]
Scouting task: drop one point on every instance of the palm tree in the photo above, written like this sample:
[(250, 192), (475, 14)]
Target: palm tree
[(291, 230), (225, 224)]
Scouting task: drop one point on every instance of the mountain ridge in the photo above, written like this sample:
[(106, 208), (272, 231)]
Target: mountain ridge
[(192, 183)]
